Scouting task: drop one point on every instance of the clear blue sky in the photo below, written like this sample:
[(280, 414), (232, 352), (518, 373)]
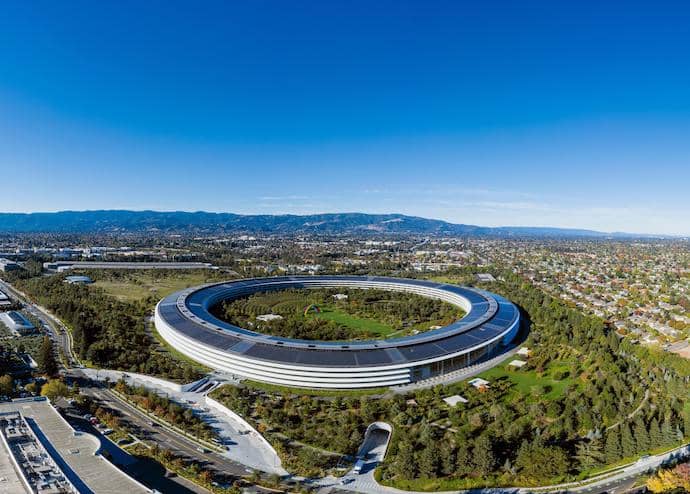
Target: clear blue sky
[(572, 114)]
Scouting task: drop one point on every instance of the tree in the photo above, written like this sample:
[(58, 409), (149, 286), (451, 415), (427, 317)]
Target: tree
[(6, 385), (613, 446), (655, 438), (627, 441), (447, 459), (206, 477), (667, 480), (32, 387), (589, 453), (428, 462), (463, 460), (405, 465), (54, 389), (483, 455), (641, 436), (537, 462), (667, 434), (686, 423), (46, 358)]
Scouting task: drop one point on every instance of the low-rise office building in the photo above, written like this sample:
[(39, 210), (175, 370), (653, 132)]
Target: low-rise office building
[(7, 265), (34, 468), (61, 266), (78, 280), (47, 453), (17, 323), (489, 326)]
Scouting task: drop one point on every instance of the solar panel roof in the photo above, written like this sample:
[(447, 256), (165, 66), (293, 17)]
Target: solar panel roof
[(188, 312)]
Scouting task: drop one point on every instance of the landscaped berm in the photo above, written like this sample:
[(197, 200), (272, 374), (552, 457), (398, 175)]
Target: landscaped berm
[(336, 332)]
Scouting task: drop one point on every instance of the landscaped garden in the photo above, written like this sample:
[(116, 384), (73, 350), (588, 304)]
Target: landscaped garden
[(337, 314), (583, 401)]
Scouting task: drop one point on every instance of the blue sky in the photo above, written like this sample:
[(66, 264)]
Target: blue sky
[(493, 113)]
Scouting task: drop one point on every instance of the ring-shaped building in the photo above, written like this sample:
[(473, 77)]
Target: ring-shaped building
[(184, 320)]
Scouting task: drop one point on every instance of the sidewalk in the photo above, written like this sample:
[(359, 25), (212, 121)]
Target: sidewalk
[(248, 448)]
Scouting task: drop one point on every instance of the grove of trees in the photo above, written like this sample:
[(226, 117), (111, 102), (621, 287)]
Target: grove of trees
[(106, 332), (617, 401)]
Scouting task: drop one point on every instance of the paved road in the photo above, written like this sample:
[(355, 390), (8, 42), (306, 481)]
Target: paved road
[(141, 426), (51, 324), (144, 470), (180, 445), (249, 449)]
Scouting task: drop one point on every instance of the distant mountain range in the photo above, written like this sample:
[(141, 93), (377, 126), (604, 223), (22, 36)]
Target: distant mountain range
[(113, 221)]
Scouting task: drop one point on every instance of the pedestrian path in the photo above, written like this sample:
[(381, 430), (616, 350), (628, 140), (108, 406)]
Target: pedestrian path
[(245, 447)]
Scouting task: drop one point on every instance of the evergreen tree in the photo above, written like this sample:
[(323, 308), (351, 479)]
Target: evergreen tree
[(686, 424), (667, 434), (508, 467), (405, 465), (463, 461), (428, 462), (538, 462), (628, 446), (612, 450), (613, 341), (641, 436), (447, 458), (483, 455), (46, 358), (589, 453), (655, 437)]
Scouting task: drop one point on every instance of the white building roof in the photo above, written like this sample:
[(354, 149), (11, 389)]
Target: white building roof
[(454, 400), (269, 317), (517, 363), (478, 382)]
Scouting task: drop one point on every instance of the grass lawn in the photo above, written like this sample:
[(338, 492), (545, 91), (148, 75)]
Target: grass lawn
[(138, 285), (354, 322), (524, 381)]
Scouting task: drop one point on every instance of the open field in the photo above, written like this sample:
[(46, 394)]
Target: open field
[(139, 285)]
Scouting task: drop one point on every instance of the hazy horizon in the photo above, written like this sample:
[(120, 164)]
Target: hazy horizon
[(642, 234)]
